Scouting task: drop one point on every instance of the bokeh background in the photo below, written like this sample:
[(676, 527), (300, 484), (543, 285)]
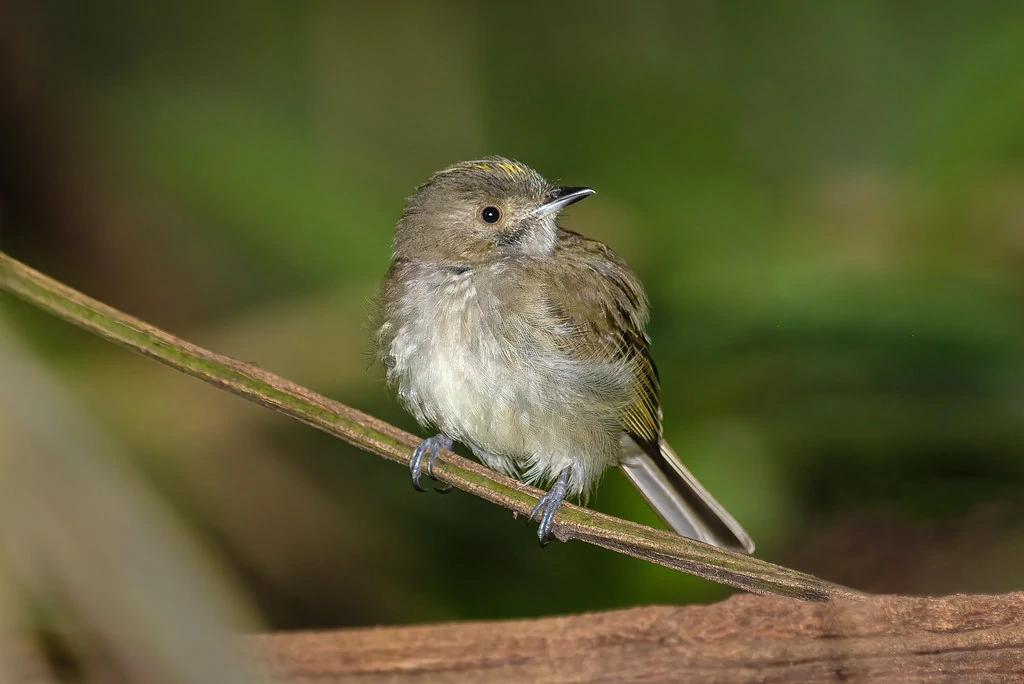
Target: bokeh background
[(824, 200)]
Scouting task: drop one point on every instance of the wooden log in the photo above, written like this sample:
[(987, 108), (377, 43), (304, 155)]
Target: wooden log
[(961, 638)]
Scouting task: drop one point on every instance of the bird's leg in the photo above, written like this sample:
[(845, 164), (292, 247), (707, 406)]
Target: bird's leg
[(429, 448), (548, 504)]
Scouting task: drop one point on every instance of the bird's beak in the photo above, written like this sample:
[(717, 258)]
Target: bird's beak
[(560, 198)]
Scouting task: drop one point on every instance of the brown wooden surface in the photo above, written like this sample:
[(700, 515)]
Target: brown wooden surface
[(963, 638)]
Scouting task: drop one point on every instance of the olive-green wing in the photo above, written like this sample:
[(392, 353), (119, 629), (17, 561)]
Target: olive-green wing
[(602, 311)]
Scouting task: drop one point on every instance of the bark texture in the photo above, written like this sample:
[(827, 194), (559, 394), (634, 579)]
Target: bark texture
[(961, 638)]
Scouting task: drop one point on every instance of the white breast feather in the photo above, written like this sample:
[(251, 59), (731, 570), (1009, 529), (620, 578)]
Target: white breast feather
[(457, 370)]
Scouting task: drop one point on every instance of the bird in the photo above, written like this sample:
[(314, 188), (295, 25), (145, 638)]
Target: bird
[(527, 342)]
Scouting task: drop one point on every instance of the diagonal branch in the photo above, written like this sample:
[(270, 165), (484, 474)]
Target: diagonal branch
[(377, 437)]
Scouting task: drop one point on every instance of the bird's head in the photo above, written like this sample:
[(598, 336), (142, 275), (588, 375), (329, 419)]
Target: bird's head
[(482, 210)]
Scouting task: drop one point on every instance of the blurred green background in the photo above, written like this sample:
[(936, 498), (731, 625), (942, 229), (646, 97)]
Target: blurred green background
[(824, 200)]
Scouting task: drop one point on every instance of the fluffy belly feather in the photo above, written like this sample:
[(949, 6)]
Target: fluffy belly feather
[(488, 382)]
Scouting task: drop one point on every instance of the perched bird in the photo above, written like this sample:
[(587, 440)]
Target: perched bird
[(527, 343)]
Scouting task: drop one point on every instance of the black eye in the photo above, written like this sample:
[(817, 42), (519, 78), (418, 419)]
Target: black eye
[(491, 214)]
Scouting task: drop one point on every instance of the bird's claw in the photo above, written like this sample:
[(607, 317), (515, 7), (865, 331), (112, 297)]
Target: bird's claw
[(429, 447), (547, 506)]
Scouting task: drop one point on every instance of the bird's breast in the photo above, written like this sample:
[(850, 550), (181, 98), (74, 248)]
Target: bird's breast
[(459, 361), (470, 357)]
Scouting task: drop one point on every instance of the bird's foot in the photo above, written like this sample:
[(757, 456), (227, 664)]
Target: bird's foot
[(548, 505), (429, 448)]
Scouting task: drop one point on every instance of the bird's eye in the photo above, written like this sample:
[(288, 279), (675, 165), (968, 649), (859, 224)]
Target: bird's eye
[(490, 214)]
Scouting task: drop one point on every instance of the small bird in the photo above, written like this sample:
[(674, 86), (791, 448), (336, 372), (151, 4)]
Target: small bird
[(527, 343)]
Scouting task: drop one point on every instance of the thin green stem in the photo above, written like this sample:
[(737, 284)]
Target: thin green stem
[(377, 437)]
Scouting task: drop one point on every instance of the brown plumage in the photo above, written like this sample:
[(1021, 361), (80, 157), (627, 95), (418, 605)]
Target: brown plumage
[(527, 343)]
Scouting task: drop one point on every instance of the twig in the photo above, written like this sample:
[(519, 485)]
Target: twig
[(377, 437)]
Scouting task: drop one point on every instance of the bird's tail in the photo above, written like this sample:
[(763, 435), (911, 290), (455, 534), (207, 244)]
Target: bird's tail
[(680, 500)]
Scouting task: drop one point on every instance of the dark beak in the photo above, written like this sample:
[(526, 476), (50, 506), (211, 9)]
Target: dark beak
[(560, 198)]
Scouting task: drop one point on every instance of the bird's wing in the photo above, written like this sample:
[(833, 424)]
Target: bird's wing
[(603, 318)]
